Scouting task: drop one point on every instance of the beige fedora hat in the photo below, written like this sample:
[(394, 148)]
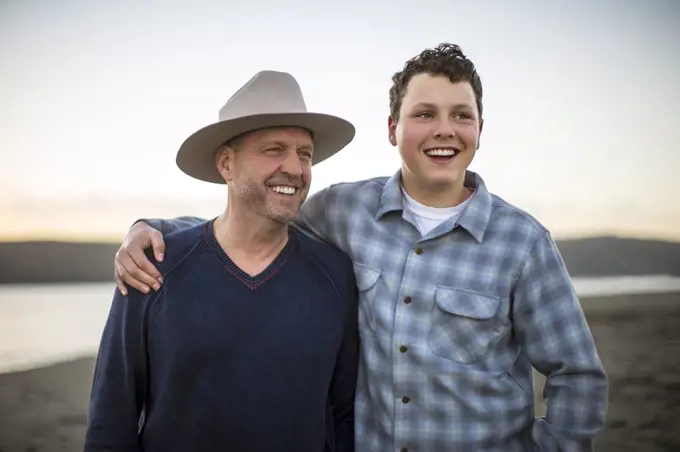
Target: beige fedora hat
[(269, 99)]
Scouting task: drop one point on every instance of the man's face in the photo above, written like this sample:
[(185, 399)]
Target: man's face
[(268, 171), (437, 132)]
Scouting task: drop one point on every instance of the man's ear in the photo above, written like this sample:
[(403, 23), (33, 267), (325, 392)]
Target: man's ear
[(392, 130), (224, 159)]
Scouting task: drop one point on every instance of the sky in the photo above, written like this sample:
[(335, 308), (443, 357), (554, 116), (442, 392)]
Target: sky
[(581, 104)]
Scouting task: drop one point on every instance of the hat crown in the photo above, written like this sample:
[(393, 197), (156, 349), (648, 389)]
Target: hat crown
[(266, 92), (268, 99)]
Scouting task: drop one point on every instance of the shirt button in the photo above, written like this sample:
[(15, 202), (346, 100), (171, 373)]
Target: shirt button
[(419, 250), (407, 299), (405, 399), (403, 349)]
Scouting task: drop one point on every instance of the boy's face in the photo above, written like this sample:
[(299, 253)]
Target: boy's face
[(437, 133)]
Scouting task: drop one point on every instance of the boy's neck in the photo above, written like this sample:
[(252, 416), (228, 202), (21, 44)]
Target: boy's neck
[(438, 196)]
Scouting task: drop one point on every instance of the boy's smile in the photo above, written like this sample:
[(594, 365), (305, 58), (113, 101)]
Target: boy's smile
[(442, 154)]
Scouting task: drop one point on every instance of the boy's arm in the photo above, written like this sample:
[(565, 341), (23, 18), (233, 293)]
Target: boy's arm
[(133, 268), (174, 224), (119, 381), (312, 216), (344, 378), (554, 335), (131, 263)]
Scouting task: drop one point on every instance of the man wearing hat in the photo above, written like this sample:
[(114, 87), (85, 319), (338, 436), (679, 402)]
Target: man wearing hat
[(252, 343)]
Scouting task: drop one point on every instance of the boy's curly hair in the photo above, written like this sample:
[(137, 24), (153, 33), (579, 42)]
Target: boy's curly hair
[(447, 60)]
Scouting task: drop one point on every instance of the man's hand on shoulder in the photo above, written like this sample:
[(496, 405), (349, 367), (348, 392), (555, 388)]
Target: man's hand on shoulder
[(131, 264)]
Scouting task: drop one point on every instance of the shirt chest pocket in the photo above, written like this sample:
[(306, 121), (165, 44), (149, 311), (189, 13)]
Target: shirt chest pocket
[(367, 279), (463, 324)]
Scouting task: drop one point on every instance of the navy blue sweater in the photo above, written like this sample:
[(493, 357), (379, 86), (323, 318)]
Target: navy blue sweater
[(221, 361)]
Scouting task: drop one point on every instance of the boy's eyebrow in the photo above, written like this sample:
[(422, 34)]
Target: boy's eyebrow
[(432, 106)]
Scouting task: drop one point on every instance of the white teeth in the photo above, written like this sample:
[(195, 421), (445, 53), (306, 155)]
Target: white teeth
[(441, 152), (284, 189)]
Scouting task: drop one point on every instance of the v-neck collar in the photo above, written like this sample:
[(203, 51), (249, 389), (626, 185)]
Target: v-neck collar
[(252, 282)]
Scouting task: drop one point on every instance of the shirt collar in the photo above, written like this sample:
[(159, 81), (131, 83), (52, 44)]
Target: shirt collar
[(474, 219)]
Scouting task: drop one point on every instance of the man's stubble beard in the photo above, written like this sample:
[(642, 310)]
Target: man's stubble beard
[(257, 197)]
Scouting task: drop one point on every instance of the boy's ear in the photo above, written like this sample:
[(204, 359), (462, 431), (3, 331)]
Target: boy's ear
[(479, 136), (392, 131)]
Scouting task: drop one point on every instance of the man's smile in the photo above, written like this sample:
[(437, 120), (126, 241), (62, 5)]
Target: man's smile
[(285, 190)]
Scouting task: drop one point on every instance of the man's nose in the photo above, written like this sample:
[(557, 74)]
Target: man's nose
[(292, 165)]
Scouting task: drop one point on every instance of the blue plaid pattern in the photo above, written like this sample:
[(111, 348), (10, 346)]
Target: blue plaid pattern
[(452, 322)]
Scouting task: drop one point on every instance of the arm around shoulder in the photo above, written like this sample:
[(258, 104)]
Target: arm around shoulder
[(312, 216), (554, 334), (172, 225)]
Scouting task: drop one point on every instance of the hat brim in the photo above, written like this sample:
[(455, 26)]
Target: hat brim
[(196, 156)]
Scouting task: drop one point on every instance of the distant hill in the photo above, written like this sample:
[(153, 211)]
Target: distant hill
[(64, 262), (56, 262), (611, 256)]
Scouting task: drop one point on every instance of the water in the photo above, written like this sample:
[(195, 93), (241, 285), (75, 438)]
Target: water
[(45, 324), (49, 323)]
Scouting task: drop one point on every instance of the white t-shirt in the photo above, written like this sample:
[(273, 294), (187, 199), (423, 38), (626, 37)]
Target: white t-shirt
[(428, 218)]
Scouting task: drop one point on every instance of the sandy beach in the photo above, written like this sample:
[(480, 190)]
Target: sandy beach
[(44, 410)]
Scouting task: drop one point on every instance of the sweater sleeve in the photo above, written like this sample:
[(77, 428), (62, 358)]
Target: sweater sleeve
[(119, 382), (344, 378)]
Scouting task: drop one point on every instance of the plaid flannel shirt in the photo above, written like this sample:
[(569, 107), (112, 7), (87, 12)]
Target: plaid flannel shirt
[(452, 322)]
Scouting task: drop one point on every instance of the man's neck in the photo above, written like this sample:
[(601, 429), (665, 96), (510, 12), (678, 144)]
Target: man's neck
[(251, 243)]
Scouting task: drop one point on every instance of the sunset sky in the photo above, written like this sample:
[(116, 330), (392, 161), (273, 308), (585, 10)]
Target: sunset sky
[(581, 102)]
